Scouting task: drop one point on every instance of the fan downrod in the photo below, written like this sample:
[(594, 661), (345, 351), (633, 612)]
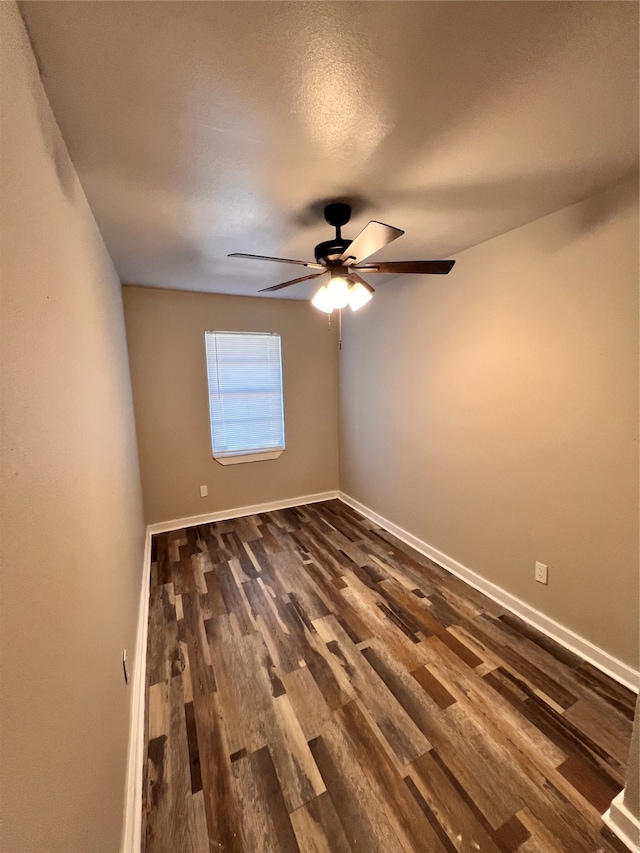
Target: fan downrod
[(329, 252)]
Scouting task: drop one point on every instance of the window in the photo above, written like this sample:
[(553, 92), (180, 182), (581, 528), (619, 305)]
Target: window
[(245, 396)]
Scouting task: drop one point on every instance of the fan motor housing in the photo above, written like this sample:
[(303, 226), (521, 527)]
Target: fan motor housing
[(330, 251)]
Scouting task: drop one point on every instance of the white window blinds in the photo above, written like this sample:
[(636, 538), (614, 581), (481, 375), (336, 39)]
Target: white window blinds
[(245, 392)]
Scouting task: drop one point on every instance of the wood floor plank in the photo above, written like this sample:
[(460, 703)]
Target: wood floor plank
[(234, 600), (505, 722), (202, 674), (316, 685), (299, 777), (237, 706), (292, 580), (603, 724), (200, 822), (308, 702), (163, 573), (414, 605), (318, 828), (478, 763), (365, 825), (433, 687), (598, 788), (615, 695), (264, 718), (286, 653), (532, 761), (529, 662), (198, 564), (158, 710), (541, 840), (406, 689), (555, 727), (464, 827), (402, 734), (396, 641), (182, 571), (266, 824), (194, 752), (512, 834), (221, 805), (463, 652), (162, 639), (408, 819), (173, 822)]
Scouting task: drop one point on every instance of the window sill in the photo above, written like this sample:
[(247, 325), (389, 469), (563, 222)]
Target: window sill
[(248, 457)]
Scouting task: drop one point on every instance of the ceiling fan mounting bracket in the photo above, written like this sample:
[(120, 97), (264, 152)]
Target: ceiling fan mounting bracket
[(337, 214)]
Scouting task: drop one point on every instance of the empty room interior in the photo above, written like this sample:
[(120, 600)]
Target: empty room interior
[(320, 406)]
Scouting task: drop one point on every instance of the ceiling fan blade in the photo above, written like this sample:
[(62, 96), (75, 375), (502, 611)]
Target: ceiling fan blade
[(277, 260), (355, 277), (294, 281), (371, 239), (420, 267)]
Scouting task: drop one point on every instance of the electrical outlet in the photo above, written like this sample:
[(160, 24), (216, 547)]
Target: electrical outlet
[(542, 573), (125, 671), (204, 491)]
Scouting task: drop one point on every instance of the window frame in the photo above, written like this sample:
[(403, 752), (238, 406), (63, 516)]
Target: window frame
[(235, 457)]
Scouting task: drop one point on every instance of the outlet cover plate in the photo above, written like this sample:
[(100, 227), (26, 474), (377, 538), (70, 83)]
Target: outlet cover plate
[(542, 573)]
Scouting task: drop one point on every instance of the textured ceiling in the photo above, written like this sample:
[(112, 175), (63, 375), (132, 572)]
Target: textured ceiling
[(203, 128)]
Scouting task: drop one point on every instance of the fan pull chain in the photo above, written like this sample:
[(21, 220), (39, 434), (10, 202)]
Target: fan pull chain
[(340, 327)]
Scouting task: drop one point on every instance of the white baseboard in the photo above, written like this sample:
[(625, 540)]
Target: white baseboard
[(132, 826), (223, 515), (625, 825), (605, 662)]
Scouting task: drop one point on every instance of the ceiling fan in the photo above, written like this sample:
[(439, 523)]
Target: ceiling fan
[(343, 260)]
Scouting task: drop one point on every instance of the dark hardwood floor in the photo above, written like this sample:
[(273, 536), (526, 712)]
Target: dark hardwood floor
[(316, 685)]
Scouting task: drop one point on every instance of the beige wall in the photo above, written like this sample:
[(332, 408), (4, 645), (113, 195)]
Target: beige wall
[(71, 511), (165, 331), (494, 413)]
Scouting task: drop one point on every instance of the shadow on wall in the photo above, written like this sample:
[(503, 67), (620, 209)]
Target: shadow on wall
[(51, 136), (490, 197), (588, 216), (600, 208)]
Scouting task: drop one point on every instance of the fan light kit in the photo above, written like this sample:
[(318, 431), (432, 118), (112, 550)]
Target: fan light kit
[(338, 294), (343, 261)]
